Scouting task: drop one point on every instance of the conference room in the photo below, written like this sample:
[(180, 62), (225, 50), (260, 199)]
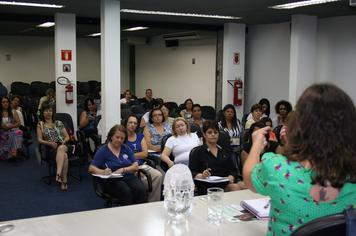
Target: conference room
[(231, 52)]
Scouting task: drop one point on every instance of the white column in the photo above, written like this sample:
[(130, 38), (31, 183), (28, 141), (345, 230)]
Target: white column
[(110, 64), (66, 62), (234, 43), (302, 55)]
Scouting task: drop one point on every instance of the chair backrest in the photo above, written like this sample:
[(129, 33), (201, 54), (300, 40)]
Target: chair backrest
[(137, 109), (20, 88), (196, 129), (66, 120), (324, 226), (83, 88), (224, 142), (173, 108), (125, 113), (208, 112)]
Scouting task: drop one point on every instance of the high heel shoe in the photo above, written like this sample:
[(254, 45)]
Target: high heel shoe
[(59, 178), (64, 186)]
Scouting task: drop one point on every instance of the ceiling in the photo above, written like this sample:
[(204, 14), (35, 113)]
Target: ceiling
[(16, 20)]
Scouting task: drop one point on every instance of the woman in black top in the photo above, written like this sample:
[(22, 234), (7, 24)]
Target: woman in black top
[(210, 160)]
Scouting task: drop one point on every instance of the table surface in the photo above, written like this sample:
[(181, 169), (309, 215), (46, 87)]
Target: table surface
[(143, 219)]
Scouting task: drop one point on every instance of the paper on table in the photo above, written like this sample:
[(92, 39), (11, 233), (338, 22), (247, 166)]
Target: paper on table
[(214, 179), (112, 175), (259, 207)]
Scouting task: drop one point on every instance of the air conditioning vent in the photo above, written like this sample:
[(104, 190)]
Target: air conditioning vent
[(353, 3), (181, 35)]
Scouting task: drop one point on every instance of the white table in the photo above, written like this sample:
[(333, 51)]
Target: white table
[(144, 219)]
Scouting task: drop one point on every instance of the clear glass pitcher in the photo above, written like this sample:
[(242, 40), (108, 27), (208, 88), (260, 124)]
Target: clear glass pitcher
[(178, 192)]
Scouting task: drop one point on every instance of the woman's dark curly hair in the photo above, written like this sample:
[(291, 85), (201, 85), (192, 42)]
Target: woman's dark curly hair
[(286, 104), (46, 106), (322, 130), (265, 101)]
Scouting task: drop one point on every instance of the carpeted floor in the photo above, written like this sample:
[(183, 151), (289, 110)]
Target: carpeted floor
[(23, 194)]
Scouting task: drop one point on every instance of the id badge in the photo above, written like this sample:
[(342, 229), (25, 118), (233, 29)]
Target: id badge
[(235, 141)]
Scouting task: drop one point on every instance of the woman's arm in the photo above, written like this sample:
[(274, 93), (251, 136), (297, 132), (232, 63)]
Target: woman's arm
[(17, 121), (181, 113), (97, 171), (42, 141), (258, 144), (165, 156), (83, 120), (65, 135), (144, 152), (147, 135), (133, 168)]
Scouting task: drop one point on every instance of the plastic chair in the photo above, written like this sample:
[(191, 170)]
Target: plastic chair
[(336, 224), (164, 165)]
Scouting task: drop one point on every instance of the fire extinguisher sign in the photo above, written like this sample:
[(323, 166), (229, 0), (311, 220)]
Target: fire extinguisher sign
[(66, 55)]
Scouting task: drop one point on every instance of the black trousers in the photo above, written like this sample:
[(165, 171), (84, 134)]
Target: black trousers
[(129, 190)]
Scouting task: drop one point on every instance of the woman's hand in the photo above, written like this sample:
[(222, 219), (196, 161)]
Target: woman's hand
[(259, 138), (120, 171), (156, 148), (170, 164), (206, 173), (53, 145), (231, 178), (107, 171)]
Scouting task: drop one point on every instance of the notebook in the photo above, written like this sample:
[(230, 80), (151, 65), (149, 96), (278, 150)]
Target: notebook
[(112, 175), (259, 207), (214, 179)]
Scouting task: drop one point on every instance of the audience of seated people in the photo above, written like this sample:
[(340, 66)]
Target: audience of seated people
[(156, 103), (116, 157), (147, 100), (197, 118), (316, 175), (87, 123), (265, 109), (256, 114), (209, 159), (53, 135), (166, 111), (50, 97), (138, 145), (10, 135), (156, 129), (283, 108), (127, 97), (15, 105), (186, 113), (180, 143), (271, 145)]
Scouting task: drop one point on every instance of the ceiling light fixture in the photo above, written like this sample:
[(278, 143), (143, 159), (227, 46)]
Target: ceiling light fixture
[(46, 25), (301, 4), (94, 35), (30, 4), (136, 28), (164, 13)]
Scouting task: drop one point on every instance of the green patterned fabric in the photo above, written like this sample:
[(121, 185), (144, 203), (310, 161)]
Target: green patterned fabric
[(288, 184)]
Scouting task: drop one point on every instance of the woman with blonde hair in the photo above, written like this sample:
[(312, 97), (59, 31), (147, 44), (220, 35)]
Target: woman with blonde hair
[(180, 143)]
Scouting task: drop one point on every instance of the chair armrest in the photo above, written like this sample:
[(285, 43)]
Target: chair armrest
[(148, 176)]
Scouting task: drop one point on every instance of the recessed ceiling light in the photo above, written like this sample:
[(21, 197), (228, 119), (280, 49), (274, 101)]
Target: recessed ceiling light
[(94, 35), (136, 28), (46, 25), (30, 4), (301, 4), (164, 13)]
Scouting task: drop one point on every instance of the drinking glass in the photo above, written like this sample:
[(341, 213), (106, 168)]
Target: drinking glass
[(215, 205)]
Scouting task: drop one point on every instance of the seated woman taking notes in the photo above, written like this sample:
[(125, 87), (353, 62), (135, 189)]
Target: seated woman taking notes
[(116, 157), (316, 177), (209, 159)]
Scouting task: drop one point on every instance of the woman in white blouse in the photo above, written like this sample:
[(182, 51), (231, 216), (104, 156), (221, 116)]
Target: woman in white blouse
[(180, 144)]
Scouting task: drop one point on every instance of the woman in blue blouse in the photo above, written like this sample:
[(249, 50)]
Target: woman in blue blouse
[(115, 157)]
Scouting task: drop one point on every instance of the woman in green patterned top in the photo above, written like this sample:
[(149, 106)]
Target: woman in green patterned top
[(317, 176)]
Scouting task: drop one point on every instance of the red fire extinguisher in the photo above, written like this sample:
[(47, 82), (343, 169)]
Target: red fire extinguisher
[(238, 92), (69, 94)]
